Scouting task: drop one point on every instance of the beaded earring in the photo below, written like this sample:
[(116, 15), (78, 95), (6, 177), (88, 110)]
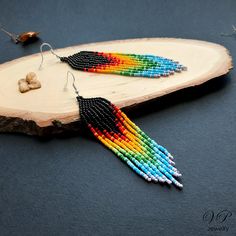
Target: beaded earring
[(120, 63), (117, 132)]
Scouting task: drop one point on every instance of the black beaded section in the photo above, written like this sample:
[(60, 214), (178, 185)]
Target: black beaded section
[(85, 60), (98, 112)]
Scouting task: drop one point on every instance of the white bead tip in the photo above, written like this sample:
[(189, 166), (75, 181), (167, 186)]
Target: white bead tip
[(172, 162), (178, 184), (168, 181), (177, 174), (154, 179), (161, 180), (170, 156)]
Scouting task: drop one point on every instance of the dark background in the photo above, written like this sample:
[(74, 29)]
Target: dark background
[(75, 186)]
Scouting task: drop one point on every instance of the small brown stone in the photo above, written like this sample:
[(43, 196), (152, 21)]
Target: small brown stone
[(23, 86), (35, 84), (30, 82), (30, 77)]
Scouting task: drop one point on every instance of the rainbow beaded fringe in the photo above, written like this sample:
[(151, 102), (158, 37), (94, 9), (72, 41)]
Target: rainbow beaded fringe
[(117, 132), (123, 64)]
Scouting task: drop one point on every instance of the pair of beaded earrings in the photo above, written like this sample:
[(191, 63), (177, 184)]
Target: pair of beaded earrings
[(112, 127)]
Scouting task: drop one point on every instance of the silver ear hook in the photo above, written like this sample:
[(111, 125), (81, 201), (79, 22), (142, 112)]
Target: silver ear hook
[(41, 52), (67, 77)]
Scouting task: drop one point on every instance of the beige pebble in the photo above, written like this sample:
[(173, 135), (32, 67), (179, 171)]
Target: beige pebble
[(23, 86), (35, 84), (30, 77), (30, 82)]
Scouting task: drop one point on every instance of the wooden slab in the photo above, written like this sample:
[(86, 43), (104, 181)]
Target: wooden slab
[(34, 112)]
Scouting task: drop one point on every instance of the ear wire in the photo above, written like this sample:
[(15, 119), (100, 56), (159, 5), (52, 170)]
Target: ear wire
[(41, 52), (73, 84)]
